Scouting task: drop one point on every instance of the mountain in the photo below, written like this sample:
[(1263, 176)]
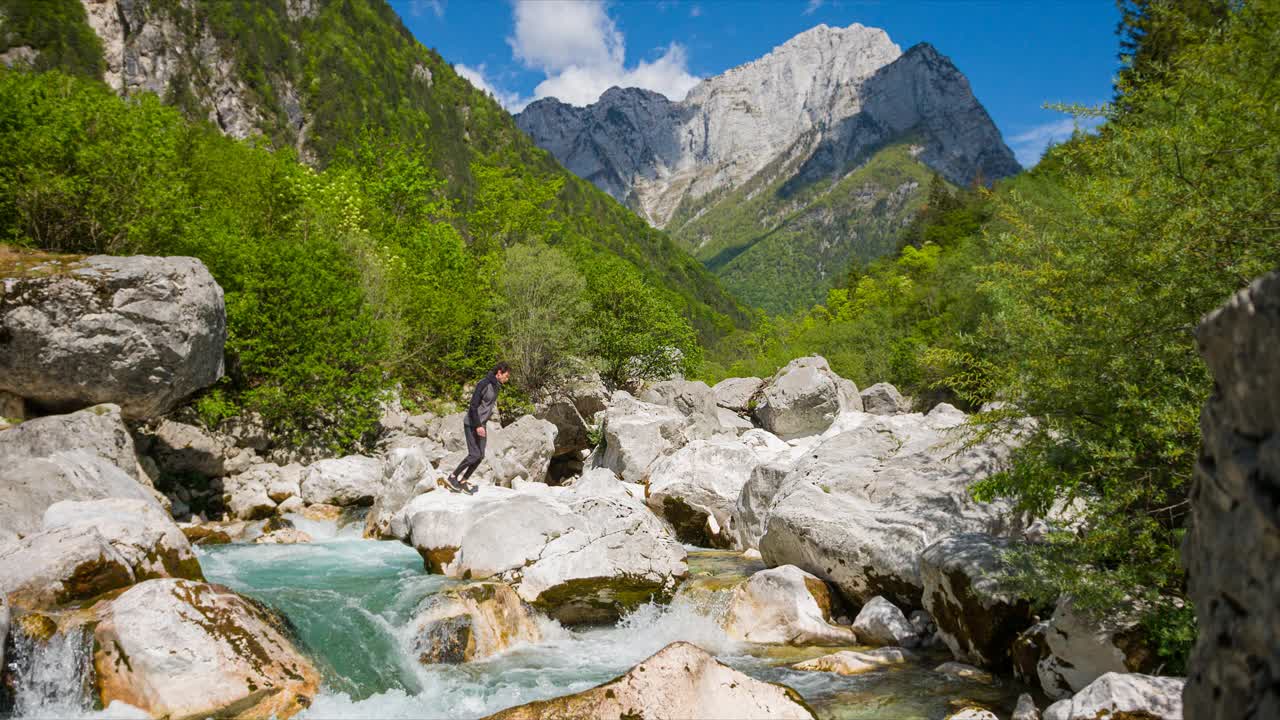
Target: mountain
[(312, 76), (778, 173)]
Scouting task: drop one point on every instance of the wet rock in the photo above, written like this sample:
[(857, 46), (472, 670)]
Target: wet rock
[(853, 662), (59, 566), (1081, 648), (143, 534), (735, 394), (804, 398), (635, 434), (973, 713), (286, 483), (784, 605), (860, 506), (206, 535), (1120, 695), (884, 399), (1232, 549), (1026, 708), (978, 614), (680, 681), (472, 622), (177, 648), (701, 479), (283, 536), (966, 672), (408, 472), (351, 480), (141, 332), (880, 622)]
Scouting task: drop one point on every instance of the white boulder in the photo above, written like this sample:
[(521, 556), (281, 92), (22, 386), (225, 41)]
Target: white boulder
[(880, 622), (634, 434), (783, 605), (804, 398), (884, 399), (141, 332), (699, 481), (350, 480), (472, 622), (734, 394), (1121, 695), (1080, 648), (854, 662)]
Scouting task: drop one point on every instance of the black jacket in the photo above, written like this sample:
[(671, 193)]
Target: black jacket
[(483, 399)]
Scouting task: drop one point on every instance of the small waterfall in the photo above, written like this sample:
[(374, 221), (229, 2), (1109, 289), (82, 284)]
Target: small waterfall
[(53, 677)]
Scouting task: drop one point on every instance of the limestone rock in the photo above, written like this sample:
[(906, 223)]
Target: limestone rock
[(804, 398), (1080, 649), (678, 682), (179, 448), (692, 398), (751, 511), (735, 394), (142, 533), (100, 431), (635, 434), (177, 648), (860, 506), (283, 536), (1120, 695), (702, 479), (521, 449), (141, 332), (965, 672), (973, 713), (577, 555), (977, 613), (246, 496), (1026, 708), (1233, 547), (784, 605), (351, 480), (4, 629), (884, 399), (472, 622), (853, 662), (28, 486), (880, 622), (61, 566), (408, 472)]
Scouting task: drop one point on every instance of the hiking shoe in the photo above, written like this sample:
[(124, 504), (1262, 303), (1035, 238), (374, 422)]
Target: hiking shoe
[(455, 485)]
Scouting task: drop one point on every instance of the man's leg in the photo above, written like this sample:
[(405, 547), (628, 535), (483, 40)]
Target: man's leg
[(475, 452)]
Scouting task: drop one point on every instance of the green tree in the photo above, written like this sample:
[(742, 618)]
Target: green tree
[(637, 333), (541, 314)]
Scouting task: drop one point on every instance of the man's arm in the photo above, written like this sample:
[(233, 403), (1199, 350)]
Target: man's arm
[(473, 409)]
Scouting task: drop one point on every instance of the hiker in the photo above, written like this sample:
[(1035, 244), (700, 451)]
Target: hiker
[(483, 399)]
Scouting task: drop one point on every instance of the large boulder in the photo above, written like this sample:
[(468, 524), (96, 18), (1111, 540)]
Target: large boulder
[(884, 399), (144, 535), (350, 480), (99, 431), (859, 508), (522, 449), (247, 496), (735, 394), (141, 332), (751, 510), (176, 648), (784, 605), (472, 622), (1119, 695), (634, 434), (693, 398), (180, 449), (967, 592), (571, 407), (28, 486), (60, 566), (579, 555), (1233, 547), (408, 472), (696, 489), (804, 398), (1080, 648), (678, 682)]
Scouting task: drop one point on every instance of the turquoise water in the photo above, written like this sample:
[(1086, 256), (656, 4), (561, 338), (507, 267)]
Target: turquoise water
[(351, 601)]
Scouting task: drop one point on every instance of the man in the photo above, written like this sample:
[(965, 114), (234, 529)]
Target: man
[(483, 400)]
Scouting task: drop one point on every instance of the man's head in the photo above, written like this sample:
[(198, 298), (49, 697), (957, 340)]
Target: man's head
[(502, 371)]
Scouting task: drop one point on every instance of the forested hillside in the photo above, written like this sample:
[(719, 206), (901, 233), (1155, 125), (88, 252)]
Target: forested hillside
[(1069, 295), (382, 224)]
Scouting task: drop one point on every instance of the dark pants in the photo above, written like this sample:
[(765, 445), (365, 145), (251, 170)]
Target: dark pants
[(475, 453)]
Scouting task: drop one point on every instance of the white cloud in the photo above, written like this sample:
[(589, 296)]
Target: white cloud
[(1030, 145), (695, 11), (418, 7), (476, 76), (582, 53), (813, 6)]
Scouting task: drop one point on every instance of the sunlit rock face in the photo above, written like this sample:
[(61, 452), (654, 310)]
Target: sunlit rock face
[(830, 95)]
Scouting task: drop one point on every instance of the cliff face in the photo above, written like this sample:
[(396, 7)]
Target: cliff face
[(763, 147), (847, 90)]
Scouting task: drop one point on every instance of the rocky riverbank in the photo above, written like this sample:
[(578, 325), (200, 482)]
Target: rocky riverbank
[(854, 504)]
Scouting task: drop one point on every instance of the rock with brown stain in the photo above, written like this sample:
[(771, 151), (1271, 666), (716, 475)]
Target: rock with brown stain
[(60, 566), (180, 649), (853, 662), (144, 535), (784, 605), (472, 622), (679, 681)]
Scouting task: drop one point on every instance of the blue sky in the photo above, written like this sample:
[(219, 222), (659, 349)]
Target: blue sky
[(1017, 54)]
